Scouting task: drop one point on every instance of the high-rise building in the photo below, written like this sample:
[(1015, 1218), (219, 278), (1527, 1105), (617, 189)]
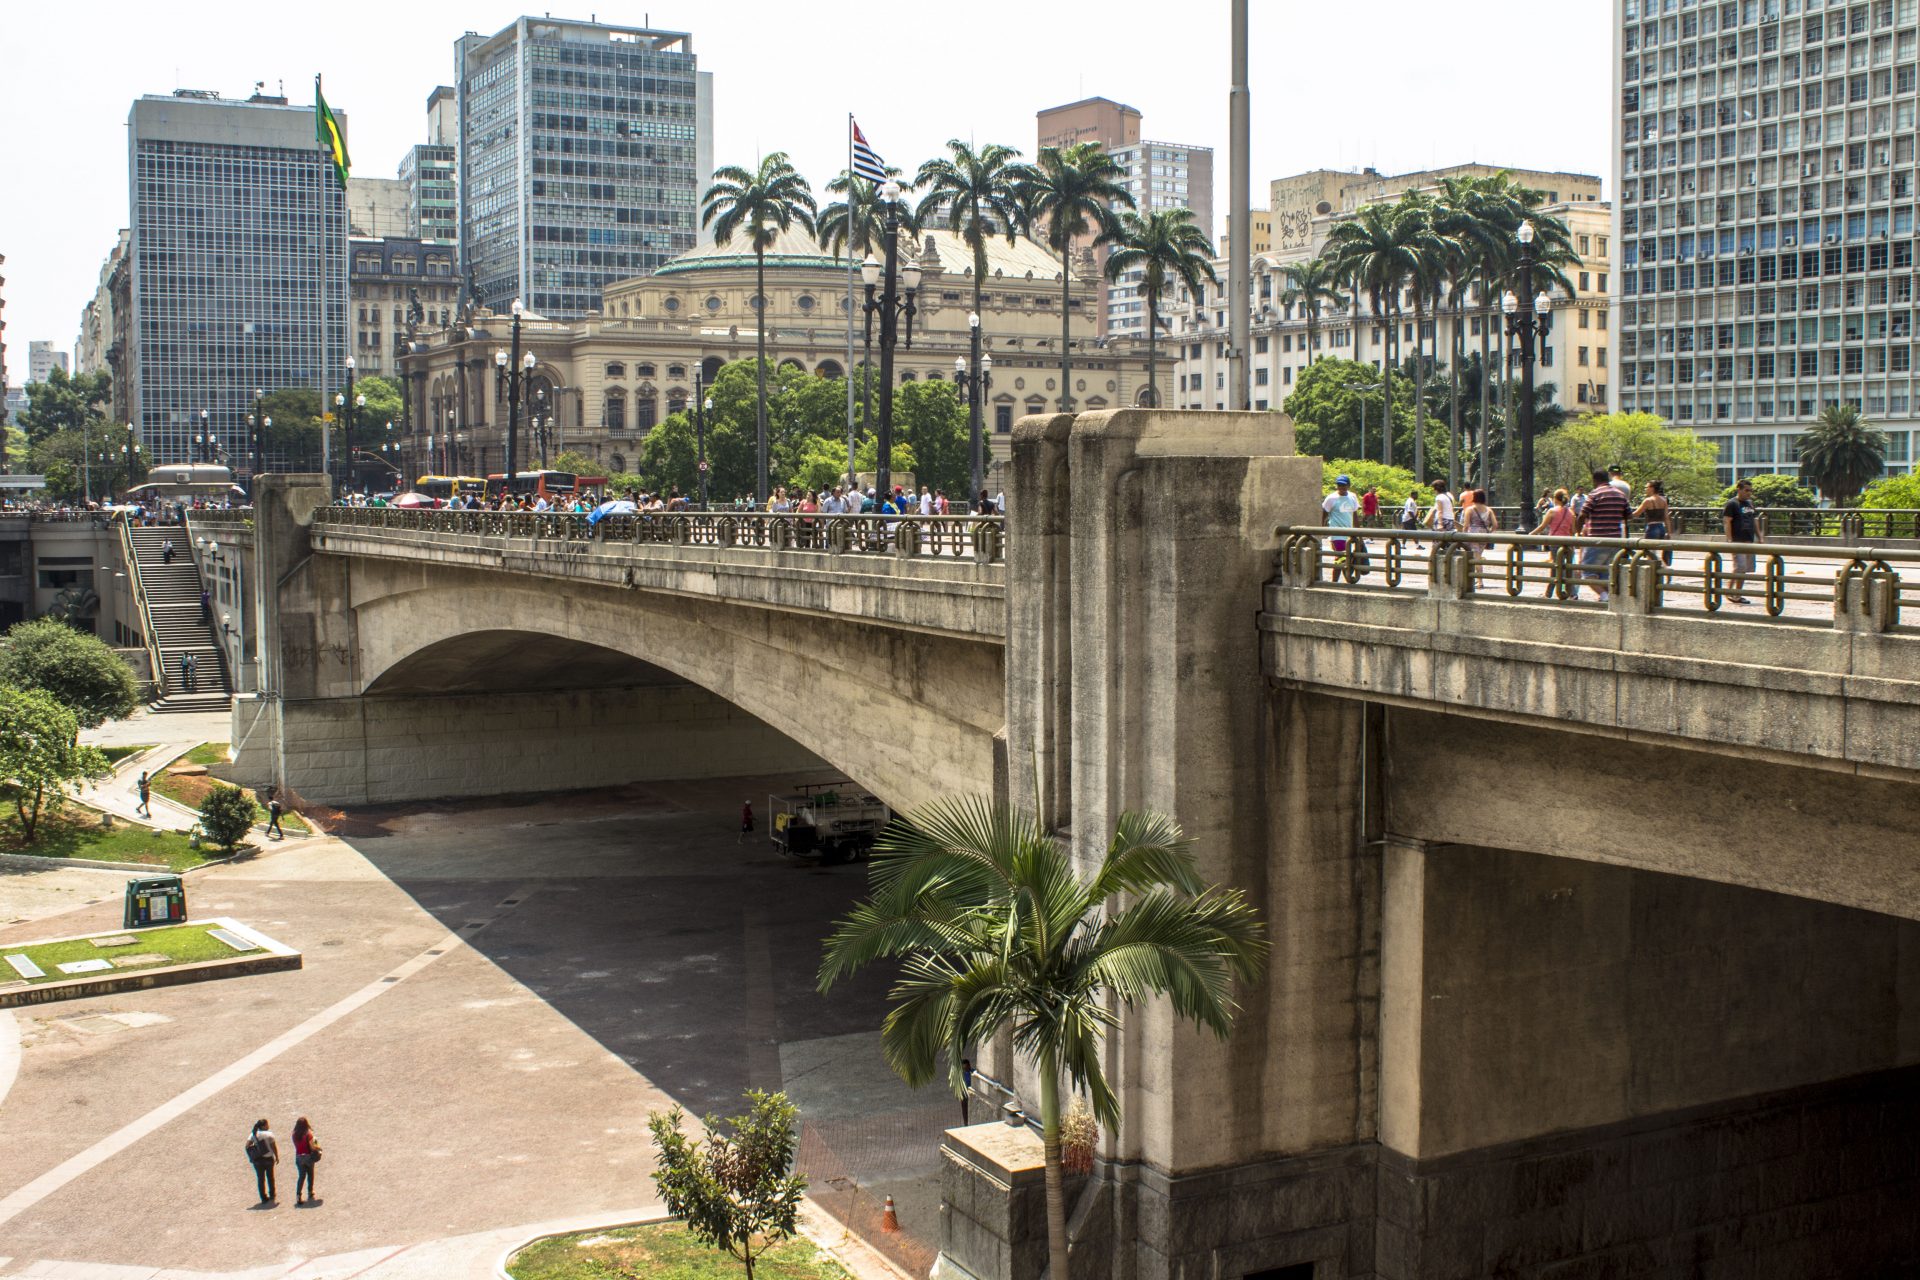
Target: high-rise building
[(42, 360), (1160, 176), (583, 150), (428, 170), (102, 343), (1102, 120), (1765, 220), (378, 207), (386, 276), (239, 264)]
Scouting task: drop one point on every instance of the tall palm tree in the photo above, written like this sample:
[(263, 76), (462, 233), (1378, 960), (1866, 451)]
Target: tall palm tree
[(765, 202), (1310, 286), (1074, 189), (1165, 246), (998, 931), (1381, 248), (1841, 453), (858, 222)]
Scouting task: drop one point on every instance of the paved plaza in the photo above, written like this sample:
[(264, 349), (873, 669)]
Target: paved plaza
[(496, 996)]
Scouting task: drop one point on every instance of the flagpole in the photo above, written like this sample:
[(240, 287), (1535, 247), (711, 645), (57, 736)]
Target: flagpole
[(326, 433), (850, 215)]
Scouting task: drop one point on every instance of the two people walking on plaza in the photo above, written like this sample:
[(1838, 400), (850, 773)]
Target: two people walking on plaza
[(263, 1153)]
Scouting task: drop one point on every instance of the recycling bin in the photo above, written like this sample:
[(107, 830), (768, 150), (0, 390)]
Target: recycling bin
[(153, 900)]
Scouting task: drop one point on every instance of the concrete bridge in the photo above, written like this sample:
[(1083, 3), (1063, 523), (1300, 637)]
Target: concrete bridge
[(1595, 928)]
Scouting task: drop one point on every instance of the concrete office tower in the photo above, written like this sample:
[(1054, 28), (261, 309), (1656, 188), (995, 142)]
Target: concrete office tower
[(428, 170), (42, 360), (1765, 220), (583, 151), (233, 210), (1160, 176)]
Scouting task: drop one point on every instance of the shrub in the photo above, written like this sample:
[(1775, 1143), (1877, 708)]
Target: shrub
[(227, 815), (1776, 491)]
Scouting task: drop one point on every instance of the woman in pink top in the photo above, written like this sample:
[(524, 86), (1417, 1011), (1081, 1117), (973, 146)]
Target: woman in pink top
[(306, 1153)]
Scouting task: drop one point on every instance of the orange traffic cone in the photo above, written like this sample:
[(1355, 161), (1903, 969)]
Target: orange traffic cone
[(889, 1220)]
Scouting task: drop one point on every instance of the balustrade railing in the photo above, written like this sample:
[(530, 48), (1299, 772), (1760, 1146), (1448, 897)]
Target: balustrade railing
[(1859, 587), (1850, 524), (980, 538)]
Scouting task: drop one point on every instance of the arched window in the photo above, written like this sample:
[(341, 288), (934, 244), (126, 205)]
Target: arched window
[(676, 371), (907, 376), (617, 461), (830, 369), (614, 410), (643, 371), (710, 369), (616, 370)]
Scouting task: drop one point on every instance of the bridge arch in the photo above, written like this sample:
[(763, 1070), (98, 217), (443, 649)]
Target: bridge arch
[(910, 715)]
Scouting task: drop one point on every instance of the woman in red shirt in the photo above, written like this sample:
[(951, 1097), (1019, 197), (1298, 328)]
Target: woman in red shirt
[(306, 1153)]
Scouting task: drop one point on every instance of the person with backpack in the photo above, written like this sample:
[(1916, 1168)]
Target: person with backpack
[(263, 1152), (306, 1154)]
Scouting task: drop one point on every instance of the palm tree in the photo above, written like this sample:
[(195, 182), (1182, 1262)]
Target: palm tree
[(765, 202), (1841, 453), (858, 222), (1310, 286), (1165, 246), (999, 931), (1381, 248), (1075, 190)]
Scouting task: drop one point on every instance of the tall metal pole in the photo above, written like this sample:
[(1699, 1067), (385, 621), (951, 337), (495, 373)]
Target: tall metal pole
[(513, 400), (979, 480), (1240, 264), (850, 269), (700, 429), (883, 477)]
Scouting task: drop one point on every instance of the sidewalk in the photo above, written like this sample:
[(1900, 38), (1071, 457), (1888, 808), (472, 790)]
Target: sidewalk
[(172, 735)]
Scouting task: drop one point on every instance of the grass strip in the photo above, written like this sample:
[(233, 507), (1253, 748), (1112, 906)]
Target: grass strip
[(662, 1252), (180, 944)]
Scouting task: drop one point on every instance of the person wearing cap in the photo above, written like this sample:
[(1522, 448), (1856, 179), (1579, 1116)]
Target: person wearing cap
[(1337, 511)]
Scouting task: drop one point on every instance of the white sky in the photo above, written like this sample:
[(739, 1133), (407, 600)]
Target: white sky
[(1397, 84)]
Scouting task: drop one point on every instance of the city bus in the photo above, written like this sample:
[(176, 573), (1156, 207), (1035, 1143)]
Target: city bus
[(550, 485), (445, 487)]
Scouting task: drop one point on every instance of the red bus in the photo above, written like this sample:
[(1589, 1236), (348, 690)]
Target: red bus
[(544, 484)]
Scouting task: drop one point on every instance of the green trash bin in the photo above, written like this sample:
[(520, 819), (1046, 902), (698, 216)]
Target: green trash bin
[(154, 900)]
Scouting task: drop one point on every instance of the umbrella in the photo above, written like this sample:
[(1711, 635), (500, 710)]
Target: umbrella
[(618, 507), (413, 500)]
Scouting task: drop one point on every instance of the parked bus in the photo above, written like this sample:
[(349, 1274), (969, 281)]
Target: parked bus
[(550, 485), (445, 487)]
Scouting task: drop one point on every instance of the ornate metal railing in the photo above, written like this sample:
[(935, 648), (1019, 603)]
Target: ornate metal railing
[(1857, 587), (231, 517), (1849, 524), (980, 538)]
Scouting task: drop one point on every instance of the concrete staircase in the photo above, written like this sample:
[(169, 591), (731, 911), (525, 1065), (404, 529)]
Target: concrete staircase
[(176, 626)]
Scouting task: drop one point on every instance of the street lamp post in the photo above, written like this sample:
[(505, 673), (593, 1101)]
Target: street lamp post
[(508, 365), (976, 381), (1365, 389), (700, 407), (540, 418), (527, 362), (257, 428), (891, 305), (1527, 324)]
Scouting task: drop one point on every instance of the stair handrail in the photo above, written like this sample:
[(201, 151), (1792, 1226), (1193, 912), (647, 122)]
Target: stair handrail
[(229, 679), (131, 555)]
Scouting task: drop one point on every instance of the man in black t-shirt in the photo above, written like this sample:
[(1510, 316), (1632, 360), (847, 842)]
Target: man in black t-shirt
[(1742, 525)]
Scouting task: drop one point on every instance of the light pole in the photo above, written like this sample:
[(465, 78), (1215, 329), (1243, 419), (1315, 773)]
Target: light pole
[(1526, 325), (976, 385), (1366, 388), (256, 428), (525, 388), (891, 306), (701, 407), (540, 419), (508, 366), (204, 441)]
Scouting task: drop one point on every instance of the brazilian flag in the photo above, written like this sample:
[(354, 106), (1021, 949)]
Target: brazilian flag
[(332, 140)]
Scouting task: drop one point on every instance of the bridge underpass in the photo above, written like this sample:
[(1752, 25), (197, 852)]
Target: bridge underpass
[(1594, 949)]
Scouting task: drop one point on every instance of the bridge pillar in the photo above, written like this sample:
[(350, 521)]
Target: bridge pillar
[(1141, 541)]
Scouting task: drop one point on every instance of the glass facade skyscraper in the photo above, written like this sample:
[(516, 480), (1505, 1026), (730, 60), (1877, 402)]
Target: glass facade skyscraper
[(1765, 219), (583, 150), (238, 250)]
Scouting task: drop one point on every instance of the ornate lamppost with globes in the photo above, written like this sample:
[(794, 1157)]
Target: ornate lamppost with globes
[(1527, 324), (507, 366), (891, 305), (256, 431), (976, 382)]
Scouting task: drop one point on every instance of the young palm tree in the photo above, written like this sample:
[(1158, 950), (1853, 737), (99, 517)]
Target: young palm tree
[(1312, 285), (974, 191), (1074, 189), (1841, 453), (1165, 246), (999, 932), (765, 202), (858, 222)]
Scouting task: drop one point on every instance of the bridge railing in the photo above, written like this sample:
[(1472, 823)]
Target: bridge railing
[(980, 538), (1863, 588)]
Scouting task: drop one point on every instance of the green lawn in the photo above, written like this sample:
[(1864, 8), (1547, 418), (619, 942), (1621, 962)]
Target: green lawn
[(193, 788), (115, 755), (180, 944), (662, 1252), (75, 832)]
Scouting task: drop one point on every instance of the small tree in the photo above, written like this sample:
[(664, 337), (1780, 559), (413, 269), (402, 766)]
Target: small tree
[(38, 752), (227, 815), (78, 670), (736, 1191), (1841, 453), (1775, 491), (1893, 493)]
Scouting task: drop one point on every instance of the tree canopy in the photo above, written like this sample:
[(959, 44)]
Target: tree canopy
[(1841, 453), (1645, 448), (40, 754), (736, 1190), (75, 669), (66, 402), (1893, 493), (1327, 400), (1775, 491)]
